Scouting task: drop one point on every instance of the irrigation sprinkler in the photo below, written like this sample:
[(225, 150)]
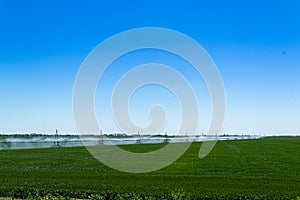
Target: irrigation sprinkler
[(101, 140), (166, 137), (56, 142), (139, 137)]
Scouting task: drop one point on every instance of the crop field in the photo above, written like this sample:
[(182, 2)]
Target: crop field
[(266, 168)]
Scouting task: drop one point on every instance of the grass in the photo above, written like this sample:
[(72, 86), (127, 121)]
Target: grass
[(267, 168)]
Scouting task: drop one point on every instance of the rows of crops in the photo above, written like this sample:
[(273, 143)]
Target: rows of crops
[(266, 168)]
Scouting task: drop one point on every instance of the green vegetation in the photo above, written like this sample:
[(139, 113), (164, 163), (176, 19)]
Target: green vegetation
[(250, 169)]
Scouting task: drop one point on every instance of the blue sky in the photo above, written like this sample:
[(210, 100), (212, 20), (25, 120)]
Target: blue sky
[(255, 44)]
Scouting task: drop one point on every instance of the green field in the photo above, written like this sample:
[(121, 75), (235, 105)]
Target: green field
[(267, 168)]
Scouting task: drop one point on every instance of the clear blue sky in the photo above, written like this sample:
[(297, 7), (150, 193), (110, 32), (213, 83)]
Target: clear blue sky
[(255, 44)]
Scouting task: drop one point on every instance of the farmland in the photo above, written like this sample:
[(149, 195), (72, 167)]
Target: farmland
[(267, 168)]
